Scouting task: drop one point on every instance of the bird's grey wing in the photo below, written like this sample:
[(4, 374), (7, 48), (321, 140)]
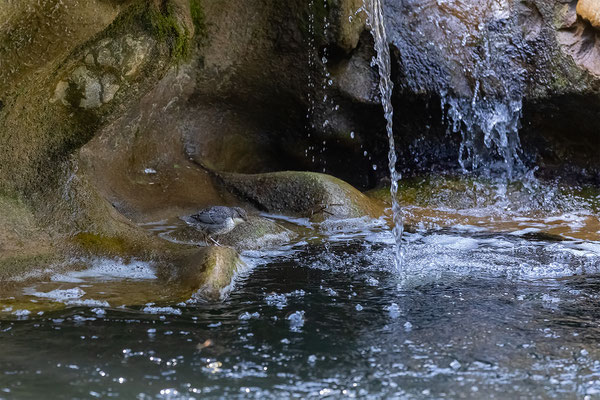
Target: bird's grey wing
[(209, 217)]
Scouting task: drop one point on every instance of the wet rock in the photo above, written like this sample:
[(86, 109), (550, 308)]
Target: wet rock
[(350, 23), (306, 194), (533, 62), (255, 234), (580, 38), (210, 272), (108, 66), (357, 79)]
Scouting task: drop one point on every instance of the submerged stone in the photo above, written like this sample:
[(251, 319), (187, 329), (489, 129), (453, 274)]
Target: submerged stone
[(210, 271)]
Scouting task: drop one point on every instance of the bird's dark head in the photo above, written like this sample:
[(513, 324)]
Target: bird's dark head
[(240, 213)]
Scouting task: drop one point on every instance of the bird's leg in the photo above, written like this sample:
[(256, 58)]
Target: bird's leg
[(214, 241)]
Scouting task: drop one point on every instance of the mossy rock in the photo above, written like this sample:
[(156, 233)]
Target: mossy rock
[(26, 267), (210, 271), (305, 194), (105, 245)]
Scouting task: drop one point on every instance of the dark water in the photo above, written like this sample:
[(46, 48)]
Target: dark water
[(332, 321)]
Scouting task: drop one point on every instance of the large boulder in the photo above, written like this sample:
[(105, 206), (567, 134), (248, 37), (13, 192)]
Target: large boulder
[(306, 194)]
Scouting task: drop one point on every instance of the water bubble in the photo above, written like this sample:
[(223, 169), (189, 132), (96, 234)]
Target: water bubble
[(245, 316), (372, 281), (394, 310), (277, 300), (296, 321)]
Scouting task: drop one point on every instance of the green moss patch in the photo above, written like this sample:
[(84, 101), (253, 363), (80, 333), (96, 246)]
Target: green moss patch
[(169, 29), (198, 18), (105, 245)]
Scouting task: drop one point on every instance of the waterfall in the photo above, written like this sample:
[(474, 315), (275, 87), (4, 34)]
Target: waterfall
[(489, 121), (375, 20)]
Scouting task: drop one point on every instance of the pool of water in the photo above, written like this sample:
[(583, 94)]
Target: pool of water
[(486, 315)]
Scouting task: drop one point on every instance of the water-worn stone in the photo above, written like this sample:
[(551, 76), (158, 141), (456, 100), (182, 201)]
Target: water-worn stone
[(306, 194), (210, 272)]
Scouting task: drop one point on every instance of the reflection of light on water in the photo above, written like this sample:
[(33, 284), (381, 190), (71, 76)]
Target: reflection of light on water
[(214, 366)]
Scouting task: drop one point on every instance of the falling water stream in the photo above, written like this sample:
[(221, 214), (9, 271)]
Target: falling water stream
[(375, 20)]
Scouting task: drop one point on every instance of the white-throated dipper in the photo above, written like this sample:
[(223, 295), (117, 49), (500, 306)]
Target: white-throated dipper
[(218, 220)]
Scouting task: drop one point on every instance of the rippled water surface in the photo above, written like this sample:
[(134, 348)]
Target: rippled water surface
[(487, 315)]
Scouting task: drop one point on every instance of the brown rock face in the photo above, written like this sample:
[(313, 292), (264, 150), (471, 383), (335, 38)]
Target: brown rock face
[(589, 10)]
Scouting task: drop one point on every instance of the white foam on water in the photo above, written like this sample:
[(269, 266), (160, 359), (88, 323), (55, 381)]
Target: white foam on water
[(525, 231), (21, 313), (61, 295), (88, 303), (108, 270), (455, 242), (161, 310), (593, 247), (277, 300)]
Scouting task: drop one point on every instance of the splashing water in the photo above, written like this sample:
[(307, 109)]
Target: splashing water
[(475, 55), (489, 122), (374, 11)]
